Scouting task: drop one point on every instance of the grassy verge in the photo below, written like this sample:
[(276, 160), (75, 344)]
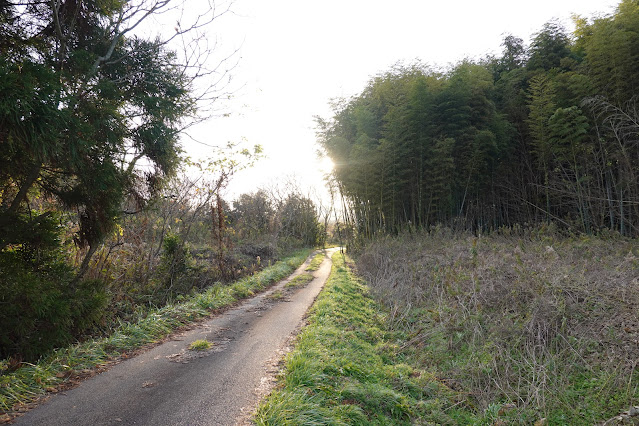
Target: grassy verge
[(532, 326), (299, 281), (316, 262), (32, 380), (347, 369)]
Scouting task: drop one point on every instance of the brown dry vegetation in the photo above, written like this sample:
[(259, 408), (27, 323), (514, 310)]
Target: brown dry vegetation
[(525, 317)]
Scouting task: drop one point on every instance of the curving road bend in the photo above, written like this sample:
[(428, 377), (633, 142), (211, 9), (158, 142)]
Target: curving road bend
[(170, 385)]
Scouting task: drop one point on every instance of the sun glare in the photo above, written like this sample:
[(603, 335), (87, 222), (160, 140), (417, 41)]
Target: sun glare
[(326, 165)]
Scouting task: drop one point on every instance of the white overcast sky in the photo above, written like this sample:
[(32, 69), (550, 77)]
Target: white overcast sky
[(295, 55)]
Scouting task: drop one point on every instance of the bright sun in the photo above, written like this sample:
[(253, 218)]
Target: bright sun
[(325, 165)]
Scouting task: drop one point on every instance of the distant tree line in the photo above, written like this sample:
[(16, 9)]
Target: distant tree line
[(547, 132)]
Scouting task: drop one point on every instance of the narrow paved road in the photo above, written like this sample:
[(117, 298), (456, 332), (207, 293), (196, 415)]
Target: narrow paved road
[(170, 385)]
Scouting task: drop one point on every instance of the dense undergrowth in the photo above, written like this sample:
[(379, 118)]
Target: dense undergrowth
[(528, 324), (30, 380)]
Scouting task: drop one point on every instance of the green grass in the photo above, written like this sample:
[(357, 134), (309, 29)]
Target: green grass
[(346, 368), (299, 281), (276, 295), (32, 380), (200, 345), (316, 262)]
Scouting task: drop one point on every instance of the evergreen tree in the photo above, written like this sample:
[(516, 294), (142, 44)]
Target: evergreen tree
[(83, 103)]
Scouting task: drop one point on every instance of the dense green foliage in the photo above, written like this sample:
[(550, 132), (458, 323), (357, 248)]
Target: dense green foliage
[(82, 103), (37, 312), (544, 132)]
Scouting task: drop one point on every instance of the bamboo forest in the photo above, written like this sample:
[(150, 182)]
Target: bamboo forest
[(545, 132)]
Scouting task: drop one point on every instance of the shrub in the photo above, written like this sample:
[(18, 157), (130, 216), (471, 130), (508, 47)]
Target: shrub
[(42, 308), (176, 263)]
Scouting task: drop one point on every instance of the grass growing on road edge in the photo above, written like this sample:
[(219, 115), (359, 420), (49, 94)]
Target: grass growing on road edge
[(32, 380), (345, 368), (200, 345), (300, 280), (316, 262)]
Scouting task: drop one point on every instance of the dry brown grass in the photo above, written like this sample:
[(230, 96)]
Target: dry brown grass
[(527, 317)]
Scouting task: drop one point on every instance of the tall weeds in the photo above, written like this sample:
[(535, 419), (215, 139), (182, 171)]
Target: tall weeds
[(525, 317)]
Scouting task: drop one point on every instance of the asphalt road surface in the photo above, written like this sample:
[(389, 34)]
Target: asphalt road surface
[(171, 385)]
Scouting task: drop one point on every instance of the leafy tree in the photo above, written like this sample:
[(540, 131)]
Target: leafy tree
[(549, 47), (90, 113), (253, 215), (514, 54), (299, 221), (499, 141), (441, 171), (611, 46)]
